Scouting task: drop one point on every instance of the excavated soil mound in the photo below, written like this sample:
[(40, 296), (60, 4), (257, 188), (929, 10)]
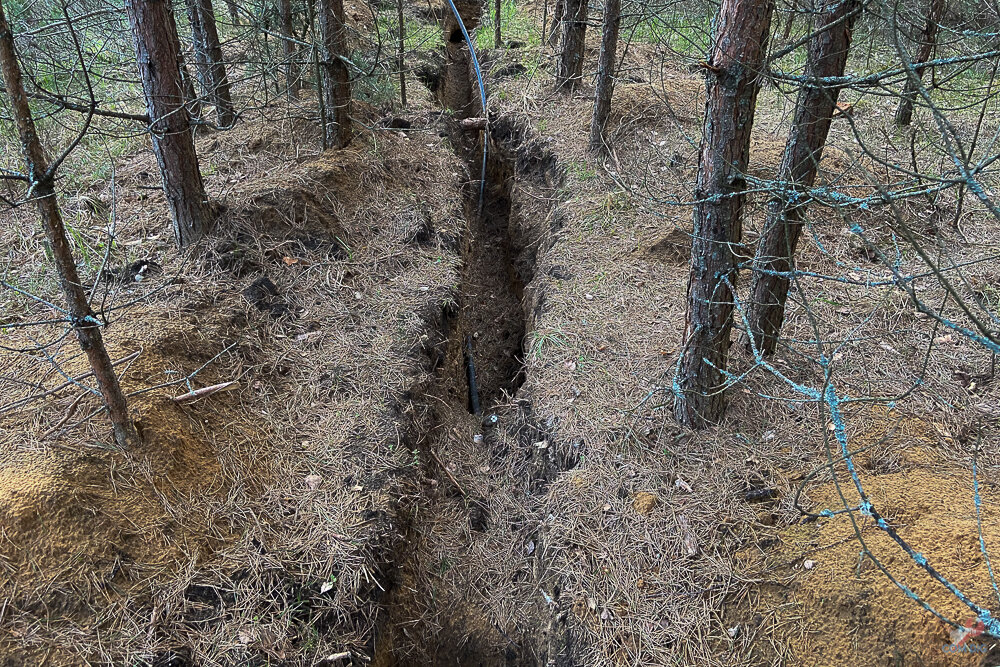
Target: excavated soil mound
[(819, 576), (846, 610)]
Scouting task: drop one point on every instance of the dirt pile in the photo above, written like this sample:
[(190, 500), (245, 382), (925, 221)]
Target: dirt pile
[(819, 576)]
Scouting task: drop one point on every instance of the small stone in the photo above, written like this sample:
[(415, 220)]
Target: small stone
[(313, 481), (809, 564), (588, 297)]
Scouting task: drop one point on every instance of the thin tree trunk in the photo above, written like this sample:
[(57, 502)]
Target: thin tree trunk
[(158, 53), (336, 78), (208, 59), (545, 21), (827, 57), (928, 39), (292, 81), (605, 87), (400, 61), (557, 19), (574, 33), (733, 81), (234, 11), (791, 21), (191, 98), (497, 37), (42, 188)]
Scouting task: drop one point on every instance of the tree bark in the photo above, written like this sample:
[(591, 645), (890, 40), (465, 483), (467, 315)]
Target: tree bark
[(827, 57), (574, 33), (208, 59), (336, 78), (158, 54), (42, 190), (732, 73), (928, 39), (293, 83), (605, 87)]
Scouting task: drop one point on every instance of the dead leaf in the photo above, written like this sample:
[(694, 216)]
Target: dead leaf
[(691, 547)]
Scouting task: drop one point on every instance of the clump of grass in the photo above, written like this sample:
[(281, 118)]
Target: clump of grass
[(515, 26)]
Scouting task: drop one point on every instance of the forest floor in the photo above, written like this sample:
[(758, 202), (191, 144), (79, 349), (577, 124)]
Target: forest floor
[(343, 504)]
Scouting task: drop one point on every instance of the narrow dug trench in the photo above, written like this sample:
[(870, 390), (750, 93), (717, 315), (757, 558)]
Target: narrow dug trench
[(478, 366), (488, 324)]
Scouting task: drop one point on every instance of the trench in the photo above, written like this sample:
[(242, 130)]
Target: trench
[(486, 332), (478, 367)]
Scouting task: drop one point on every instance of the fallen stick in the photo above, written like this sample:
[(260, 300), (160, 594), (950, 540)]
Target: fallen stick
[(448, 472), (69, 413), (472, 124), (205, 391)]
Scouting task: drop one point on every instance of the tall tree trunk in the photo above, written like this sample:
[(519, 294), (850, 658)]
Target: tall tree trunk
[(292, 81), (158, 54), (42, 188), (497, 37), (401, 52), (208, 59), (928, 39), (732, 82), (605, 73), (827, 57), (190, 95), (336, 78), (793, 10), (457, 89), (574, 33), (557, 18)]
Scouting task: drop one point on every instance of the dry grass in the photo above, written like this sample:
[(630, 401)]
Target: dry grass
[(581, 528), (254, 525), (579, 563)]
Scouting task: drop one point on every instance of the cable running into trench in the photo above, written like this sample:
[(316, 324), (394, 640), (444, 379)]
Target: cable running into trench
[(482, 97)]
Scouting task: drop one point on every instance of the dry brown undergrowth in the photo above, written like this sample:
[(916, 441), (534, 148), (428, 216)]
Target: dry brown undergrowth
[(253, 524)]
